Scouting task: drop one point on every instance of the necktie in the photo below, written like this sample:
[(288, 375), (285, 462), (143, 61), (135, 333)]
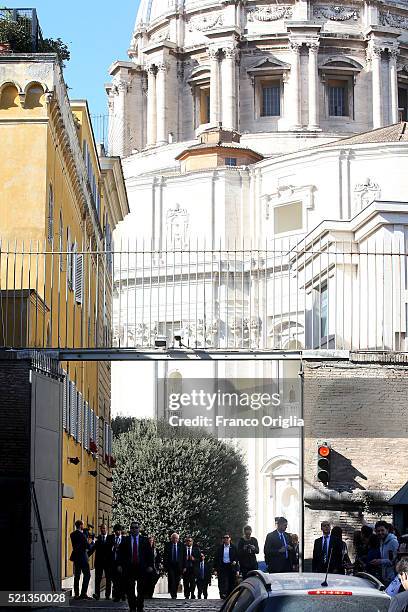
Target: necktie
[(174, 552), (202, 569), (283, 540), (135, 558), (324, 549)]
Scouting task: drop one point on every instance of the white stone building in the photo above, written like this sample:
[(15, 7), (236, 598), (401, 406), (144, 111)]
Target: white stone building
[(298, 87)]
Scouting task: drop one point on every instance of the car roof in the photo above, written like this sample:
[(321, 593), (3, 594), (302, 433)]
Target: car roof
[(295, 581)]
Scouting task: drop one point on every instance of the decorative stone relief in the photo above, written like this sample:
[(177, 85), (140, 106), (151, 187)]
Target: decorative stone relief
[(201, 333), (365, 193), (393, 20), (177, 227), (269, 13), (163, 34), (202, 23), (336, 13)]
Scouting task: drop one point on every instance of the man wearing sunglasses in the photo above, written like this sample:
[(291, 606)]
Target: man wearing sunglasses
[(399, 603)]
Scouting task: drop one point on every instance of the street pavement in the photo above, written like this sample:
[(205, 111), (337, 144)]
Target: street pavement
[(157, 604)]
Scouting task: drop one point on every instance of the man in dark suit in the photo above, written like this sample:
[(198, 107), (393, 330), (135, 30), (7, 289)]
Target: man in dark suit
[(203, 577), (226, 564), (117, 578), (81, 548), (278, 549), (327, 552), (136, 560), (191, 558), (173, 563), (103, 562)]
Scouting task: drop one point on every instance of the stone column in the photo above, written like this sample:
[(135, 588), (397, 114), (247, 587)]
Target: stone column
[(313, 86), (377, 88), (394, 115), (151, 106), (295, 82), (229, 97), (120, 118), (214, 56), (161, 108)]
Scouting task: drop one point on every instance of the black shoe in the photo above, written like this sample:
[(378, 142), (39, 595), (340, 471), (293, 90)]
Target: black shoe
[(193, 597), (96, 597), (77, 597)]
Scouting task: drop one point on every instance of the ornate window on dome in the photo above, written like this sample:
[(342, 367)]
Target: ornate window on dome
[(204, 102), (271, 99), (403, 102), (339, 74), (338, 98)]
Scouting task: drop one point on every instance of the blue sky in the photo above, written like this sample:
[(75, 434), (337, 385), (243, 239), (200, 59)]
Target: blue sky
[(97, 32)]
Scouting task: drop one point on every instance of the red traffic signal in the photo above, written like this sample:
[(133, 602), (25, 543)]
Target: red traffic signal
[(323, 463)]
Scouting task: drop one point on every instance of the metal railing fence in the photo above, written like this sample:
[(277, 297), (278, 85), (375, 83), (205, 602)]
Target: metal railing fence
[(328, 295)]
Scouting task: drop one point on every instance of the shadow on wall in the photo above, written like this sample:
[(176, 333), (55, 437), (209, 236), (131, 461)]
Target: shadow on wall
[(344, 475)]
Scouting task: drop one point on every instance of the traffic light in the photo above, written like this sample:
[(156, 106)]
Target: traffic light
[(323, 463)]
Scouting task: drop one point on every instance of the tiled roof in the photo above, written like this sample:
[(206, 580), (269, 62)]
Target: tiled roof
[(397, 132)]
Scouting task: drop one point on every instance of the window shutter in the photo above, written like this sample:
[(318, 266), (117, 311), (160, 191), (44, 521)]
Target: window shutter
[(96, 429), (79, 276), (50, 225), (64, 401), (72, 408), (79, 417), (110, 440), (91, 425), (86, 425)]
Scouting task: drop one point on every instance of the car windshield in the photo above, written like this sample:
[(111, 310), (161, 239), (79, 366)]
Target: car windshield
[(323, 603)]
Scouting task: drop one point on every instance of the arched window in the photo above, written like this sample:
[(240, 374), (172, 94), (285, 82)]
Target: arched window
[(50, 219)]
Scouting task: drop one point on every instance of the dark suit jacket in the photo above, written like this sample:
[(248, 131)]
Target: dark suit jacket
[(275, 560), (195, 552), (219, 556), (145, 553), (103, 551), (336, 560), (168, 556), (207, 573), (80, 548)]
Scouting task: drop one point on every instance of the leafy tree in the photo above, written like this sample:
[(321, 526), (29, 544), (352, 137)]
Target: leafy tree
[(193, 484)]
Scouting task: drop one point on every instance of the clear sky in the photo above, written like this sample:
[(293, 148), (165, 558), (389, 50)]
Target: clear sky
[(97, 32)]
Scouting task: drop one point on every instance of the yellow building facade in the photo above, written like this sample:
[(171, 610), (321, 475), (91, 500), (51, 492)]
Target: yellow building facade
[(60, 200)]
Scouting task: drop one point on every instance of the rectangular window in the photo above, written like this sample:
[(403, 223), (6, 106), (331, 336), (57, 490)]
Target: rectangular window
[(230, 161), (338, 98), (204, 102), (324, 310), (271, 100), (288, 218), (403, 103)]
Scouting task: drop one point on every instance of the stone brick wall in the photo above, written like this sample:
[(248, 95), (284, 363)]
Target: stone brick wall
[(360, 410)]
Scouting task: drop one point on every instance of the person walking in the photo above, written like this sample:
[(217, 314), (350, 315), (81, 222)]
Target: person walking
[(153, 577), (203, 580), (103, 562), (388, 552), (278, 549), (191, 559), (327, 552), (135, 562), (248, 548), (118, 592), (173, 563), (346, 564), (226, 565), (81, 548)]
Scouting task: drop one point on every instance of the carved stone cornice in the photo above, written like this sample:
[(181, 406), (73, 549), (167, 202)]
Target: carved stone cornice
[(393, 20), (335, 12), (270, 13)]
